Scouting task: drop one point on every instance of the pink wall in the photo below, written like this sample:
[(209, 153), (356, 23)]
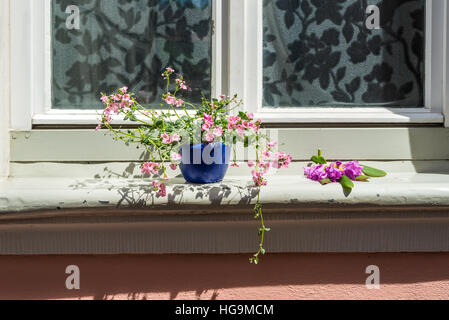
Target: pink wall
[(282, 276)]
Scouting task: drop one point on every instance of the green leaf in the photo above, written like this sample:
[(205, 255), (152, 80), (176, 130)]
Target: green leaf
[(346, 182), (362, 178), (262, 251), (318, 160), (372, 172)]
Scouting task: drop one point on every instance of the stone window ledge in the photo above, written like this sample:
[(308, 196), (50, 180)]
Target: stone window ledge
[(105, 214)]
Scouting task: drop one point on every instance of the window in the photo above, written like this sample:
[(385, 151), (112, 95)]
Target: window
[(292, 61), (99, 46), (343, 61), (332, 53)]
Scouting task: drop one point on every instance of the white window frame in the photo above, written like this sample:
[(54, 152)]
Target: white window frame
[(30, 70), (31, 67), (246, 63)]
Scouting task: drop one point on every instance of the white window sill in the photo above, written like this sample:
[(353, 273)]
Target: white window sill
[(280, 115)]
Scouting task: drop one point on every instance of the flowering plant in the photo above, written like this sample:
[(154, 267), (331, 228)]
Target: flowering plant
[(344, 173), (163, 132)]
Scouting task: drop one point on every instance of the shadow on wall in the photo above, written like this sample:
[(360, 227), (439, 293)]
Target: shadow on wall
[(279, 276)]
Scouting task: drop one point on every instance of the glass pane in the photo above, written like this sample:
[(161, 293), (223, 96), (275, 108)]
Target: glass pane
[(128, 42), (324, 53)]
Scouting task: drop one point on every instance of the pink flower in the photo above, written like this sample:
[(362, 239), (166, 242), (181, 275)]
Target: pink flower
[(171, 100), (160, 188), (282, 160), (250, 116), (272, 144), (251, 163), (210, 136), (117, 97), (104, 99), (183, 86), (150, 168), (126, 97), (218, 132), (166, 138), (175, 138), (98, 127), (240, 130), (208, 122), (233, 121), (173, 166), (258, 178), (235, 164), (124, 89), (222, 96), (176, 156), (179, 103), (170, 70)]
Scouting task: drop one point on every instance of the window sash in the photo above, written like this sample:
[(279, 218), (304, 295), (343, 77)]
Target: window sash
[(247, 42), (31, 67), (242, 61)]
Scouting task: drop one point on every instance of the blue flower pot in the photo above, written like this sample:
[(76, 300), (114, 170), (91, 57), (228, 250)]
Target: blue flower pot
[(204, 163)]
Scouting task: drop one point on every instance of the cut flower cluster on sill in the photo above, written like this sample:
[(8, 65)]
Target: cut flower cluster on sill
[(338, 171)]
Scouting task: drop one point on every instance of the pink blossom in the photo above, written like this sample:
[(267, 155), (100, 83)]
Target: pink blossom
[(208, 122), (235, 164), (240, 130), (171, 100), (210, 136), (124, 89), (173, 166), (222, 96), (250, 116), (126, 97), (282, 160), (160, 188), (117, 97), (272, 144), (176, 156), (179, 103), (170, 70), (104, 99), (233, 121), (258, 178), (150, 168), (98, 127), (251, 163), (218, 132), (175, 138), (183, 86), (166, 138)]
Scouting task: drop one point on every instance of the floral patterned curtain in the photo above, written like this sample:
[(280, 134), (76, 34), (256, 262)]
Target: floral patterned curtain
[(320, 53), (128, 42)]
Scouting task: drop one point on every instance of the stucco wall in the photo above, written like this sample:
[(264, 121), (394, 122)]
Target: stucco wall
[(292, 276)]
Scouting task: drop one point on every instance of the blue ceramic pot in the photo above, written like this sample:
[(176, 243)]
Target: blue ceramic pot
[(204, 163)]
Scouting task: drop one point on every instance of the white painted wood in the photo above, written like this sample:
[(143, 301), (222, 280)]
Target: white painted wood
[(4, 89), (337, 143), (22, 103), (217, 49), (446, 65), (237, 47)]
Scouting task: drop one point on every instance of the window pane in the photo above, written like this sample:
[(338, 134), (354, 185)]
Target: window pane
[(321, 53), (128, 42)]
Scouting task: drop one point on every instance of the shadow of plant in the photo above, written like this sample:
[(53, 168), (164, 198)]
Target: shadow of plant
[(135, 190)]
